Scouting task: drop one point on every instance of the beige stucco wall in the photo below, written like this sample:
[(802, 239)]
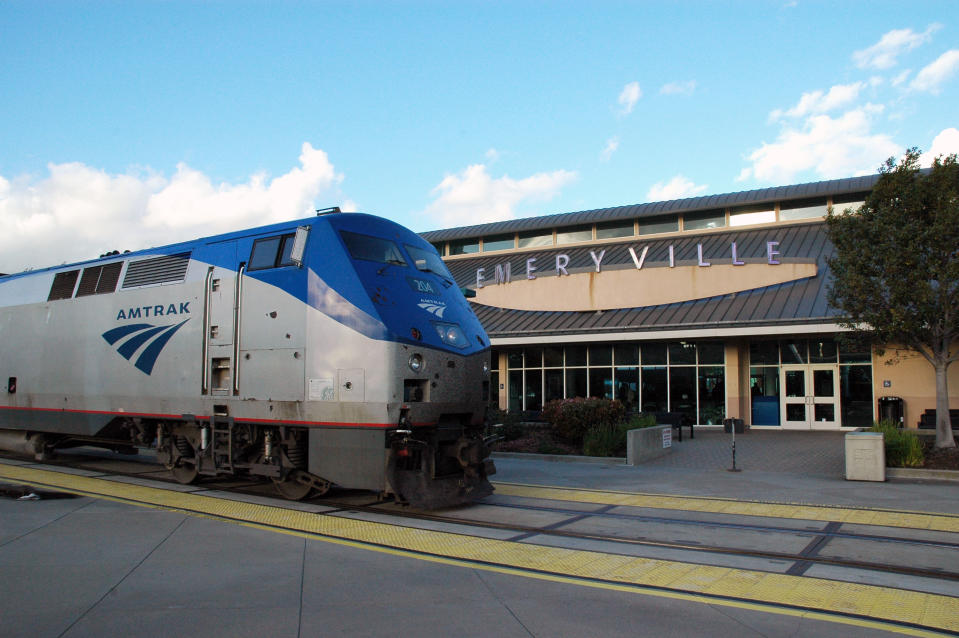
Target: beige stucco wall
[(632, 288), (913, 379)]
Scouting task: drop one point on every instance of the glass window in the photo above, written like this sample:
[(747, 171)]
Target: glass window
[(534, 357), (576, 383), (704, 220), (752, 215), (576, 356), (764, 353), (554, 385), (499, 242), (440, 247), (428, 262), (655, 396), (764, 393), (626, 354), (264, 253), (464, 246), (681, 353), (682, 391), (712, 395), (794, 351), (514, 359), (574, 234), (601, 355), (851, 200), (515, 390), (367, 248), (854, 354), (654, 354), (494, 387), (802, 209), (855, 395), (534, 239), (626, 388), (553, 357), (711, 352), (611, 230), (534, 389), (822, 351), (657, 225), (601, 383)]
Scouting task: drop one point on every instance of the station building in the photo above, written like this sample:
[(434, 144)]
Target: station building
[(711, 306)]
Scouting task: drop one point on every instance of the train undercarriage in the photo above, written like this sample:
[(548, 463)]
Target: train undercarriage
[(428, 468)]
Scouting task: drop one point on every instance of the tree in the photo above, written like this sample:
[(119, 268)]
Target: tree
[(896, 267)]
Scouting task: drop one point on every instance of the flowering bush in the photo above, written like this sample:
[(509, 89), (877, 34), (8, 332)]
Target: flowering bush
[(572, 418)]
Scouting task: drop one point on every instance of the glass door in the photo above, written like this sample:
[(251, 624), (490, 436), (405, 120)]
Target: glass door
[(824, 405), (810, 397)]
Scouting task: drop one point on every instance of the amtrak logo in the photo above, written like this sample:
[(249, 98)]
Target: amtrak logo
[(432, 306), (145, 338)]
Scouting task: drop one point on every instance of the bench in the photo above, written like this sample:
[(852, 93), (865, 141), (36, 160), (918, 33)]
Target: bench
[(677, 420), (928, 419)]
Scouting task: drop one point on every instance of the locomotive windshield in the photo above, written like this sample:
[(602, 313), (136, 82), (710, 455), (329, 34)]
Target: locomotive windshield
[(428, 261), (370, 248)]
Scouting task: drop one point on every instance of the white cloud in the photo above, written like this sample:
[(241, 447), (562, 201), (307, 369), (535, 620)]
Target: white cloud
[(678, 88), (884, 54), (629, 96), (474, 197), (931, 77), (676, 188), (819, 102), (492, 155), (830, 147), (946, 143), (612, 144), (78, 212)]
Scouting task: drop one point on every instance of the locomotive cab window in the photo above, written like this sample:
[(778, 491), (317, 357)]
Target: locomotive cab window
[(273, 252), (428, 261), (376, 249)]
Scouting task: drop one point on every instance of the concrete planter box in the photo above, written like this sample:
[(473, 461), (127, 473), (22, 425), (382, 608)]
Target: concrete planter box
[(644, 444), (865, 456)]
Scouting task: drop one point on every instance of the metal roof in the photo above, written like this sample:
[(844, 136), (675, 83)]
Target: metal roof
[(655, 209), (797, 302)]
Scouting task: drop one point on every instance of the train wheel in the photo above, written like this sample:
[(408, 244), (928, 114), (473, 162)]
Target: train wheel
[(295, 487), (184, 460)]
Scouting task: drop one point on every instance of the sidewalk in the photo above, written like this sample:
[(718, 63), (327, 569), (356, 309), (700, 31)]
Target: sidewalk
[(785, 467)]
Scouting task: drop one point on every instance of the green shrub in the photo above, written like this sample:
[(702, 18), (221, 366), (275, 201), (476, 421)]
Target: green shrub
[(903, 448), (639, 421), (605, 440), (512, 424), (571, 419)]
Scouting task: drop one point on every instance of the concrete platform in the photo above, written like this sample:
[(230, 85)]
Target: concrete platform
[(93, 567)]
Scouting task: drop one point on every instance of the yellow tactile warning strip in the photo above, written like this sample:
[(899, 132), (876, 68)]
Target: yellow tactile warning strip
[(912, 613), (887, 518)]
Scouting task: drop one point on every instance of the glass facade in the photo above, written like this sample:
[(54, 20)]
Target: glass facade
[(806, 367), (690, 377), (687, 377)]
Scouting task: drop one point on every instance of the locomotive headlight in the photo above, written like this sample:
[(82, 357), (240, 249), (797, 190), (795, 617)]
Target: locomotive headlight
[(416, 363), (451, 334)]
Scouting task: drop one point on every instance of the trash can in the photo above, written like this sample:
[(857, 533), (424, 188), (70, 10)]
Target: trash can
[(892, 409), (865, 456)]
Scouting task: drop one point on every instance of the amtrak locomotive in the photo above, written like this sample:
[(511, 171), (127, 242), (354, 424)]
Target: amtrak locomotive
[(331, 350)]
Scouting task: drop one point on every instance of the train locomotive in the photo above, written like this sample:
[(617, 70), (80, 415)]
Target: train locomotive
[(333, 350)]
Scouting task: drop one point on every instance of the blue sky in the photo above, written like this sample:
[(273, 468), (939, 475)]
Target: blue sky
[(131, 124)]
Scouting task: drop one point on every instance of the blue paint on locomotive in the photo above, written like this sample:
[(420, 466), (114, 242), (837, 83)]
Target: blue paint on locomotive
[(384, 302)]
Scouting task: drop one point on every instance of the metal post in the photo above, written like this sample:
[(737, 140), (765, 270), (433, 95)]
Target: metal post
[(732, 428)]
